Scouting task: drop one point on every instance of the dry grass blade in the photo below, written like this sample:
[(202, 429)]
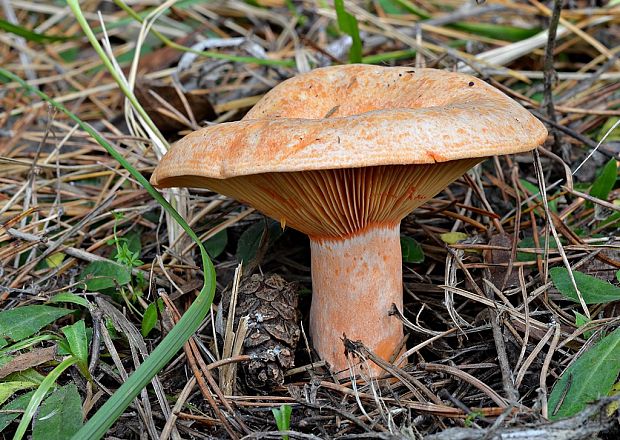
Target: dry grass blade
[(233, 338)]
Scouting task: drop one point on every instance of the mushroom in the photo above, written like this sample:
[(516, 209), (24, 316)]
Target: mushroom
[(343, 154)]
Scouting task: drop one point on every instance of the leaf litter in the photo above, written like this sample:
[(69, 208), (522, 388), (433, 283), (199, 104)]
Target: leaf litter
[(511, 297)]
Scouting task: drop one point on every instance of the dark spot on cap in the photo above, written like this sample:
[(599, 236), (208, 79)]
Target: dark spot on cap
[(471, 84), (410, 71), (400, 74)]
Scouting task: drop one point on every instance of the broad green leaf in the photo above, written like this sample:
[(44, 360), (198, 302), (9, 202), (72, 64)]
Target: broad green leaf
[(78, 343), (614, 136), (22, 322), (12, 409), (67, 297), (150, 316), (59, 416), (528, 242), (453, 237), (581, 320), (593, 290), (27, 343), (28, 34), (535, 191), (7, 389), (39, 394), (348, 24), (29, 375), (216, 244), (55, 260), (251, 239), (5, 360), (605, 182), (100, 275), (411, 250), (590, 377)]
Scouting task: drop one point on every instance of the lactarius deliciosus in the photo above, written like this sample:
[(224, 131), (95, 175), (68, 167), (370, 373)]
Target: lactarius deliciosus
[(342, 154)]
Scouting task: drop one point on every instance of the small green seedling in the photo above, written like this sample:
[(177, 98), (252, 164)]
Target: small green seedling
[(283, 418), (471, 418), (127, 251)]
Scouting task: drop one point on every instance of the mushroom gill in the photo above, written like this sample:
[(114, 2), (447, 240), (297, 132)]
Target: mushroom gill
[(336, 203)]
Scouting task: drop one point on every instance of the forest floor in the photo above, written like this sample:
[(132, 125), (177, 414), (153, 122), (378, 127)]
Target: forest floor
[(500, 343)]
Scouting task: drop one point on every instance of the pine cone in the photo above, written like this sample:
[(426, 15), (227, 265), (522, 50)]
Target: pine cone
[(273, 328)]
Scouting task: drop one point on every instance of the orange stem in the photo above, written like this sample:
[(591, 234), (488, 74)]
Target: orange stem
[(355, 281)]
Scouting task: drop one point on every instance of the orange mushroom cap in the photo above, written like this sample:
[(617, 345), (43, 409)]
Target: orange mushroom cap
[(306, 151), (357, 116)]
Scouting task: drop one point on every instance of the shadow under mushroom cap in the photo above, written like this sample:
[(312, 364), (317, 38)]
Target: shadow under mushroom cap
[(340, 203)]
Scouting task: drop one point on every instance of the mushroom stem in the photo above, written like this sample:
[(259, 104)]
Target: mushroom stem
[(355, 281)]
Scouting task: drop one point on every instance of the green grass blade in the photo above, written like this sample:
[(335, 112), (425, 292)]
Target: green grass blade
[(215, 55), (97, 426), (410, 7), (28, 34), (490, 30), (388, 56), (348, 24), (497, 31), (79, 17), (40, 393)]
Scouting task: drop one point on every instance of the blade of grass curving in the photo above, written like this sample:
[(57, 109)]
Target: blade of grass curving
[(97, 426), (28, 34), (491, 30), (215, 55), (497, 31), (39, 394), (134, 114), (120, 80)]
